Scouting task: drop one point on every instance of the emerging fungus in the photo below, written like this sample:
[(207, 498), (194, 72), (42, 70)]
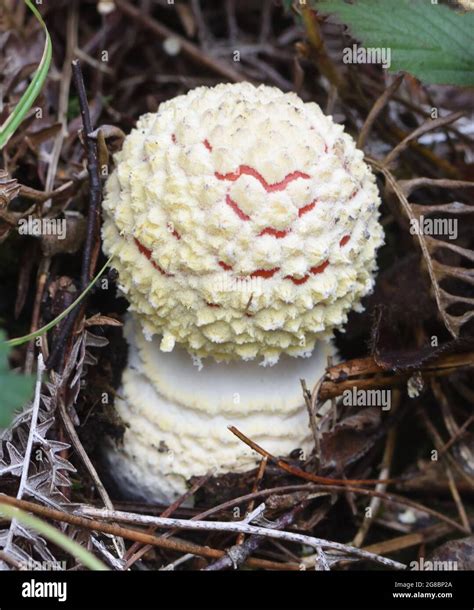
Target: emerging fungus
[(244, 225), (178, 415)]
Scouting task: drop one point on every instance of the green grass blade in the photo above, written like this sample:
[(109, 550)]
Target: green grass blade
[(27, 99), (82, 555), (44, 329)]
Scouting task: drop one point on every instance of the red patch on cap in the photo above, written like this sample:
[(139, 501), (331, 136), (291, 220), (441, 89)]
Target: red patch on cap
[(270, 188), (265, 273), (146, 252), (307, 208), (240, 213), (274, 232)]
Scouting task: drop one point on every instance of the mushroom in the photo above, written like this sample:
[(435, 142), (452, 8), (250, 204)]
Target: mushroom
[(178, 415), (243, 223)]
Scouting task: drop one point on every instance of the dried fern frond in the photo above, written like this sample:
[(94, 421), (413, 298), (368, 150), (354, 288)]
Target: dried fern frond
[(430, 245), (27, 452), (9, 188)]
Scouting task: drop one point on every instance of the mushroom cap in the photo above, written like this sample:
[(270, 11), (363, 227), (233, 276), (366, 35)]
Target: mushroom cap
[(243, 223), (177, 416)]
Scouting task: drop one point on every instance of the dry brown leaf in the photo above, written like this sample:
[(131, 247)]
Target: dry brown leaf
[(349, 440)]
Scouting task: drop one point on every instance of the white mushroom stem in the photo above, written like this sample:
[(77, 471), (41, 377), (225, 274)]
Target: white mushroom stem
[(177, 415)]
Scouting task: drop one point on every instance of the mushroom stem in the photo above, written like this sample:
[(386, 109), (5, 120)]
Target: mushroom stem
[(177, 415)]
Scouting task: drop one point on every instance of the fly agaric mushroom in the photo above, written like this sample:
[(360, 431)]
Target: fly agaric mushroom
[(243, 223)]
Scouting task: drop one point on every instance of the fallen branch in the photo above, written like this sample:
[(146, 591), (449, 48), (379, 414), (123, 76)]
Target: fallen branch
[(235, 526), (365, 373), (239, 553), (377, 109), (388, 497), (135, 552), (188, 48), (302, 474), (89, 258), (173, 544)]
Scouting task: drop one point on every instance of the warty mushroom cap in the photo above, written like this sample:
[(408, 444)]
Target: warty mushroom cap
[(241, 184)]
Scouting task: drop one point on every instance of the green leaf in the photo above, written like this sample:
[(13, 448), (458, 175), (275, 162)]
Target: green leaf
[(27, 99), (16, 389), (431, 41)]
